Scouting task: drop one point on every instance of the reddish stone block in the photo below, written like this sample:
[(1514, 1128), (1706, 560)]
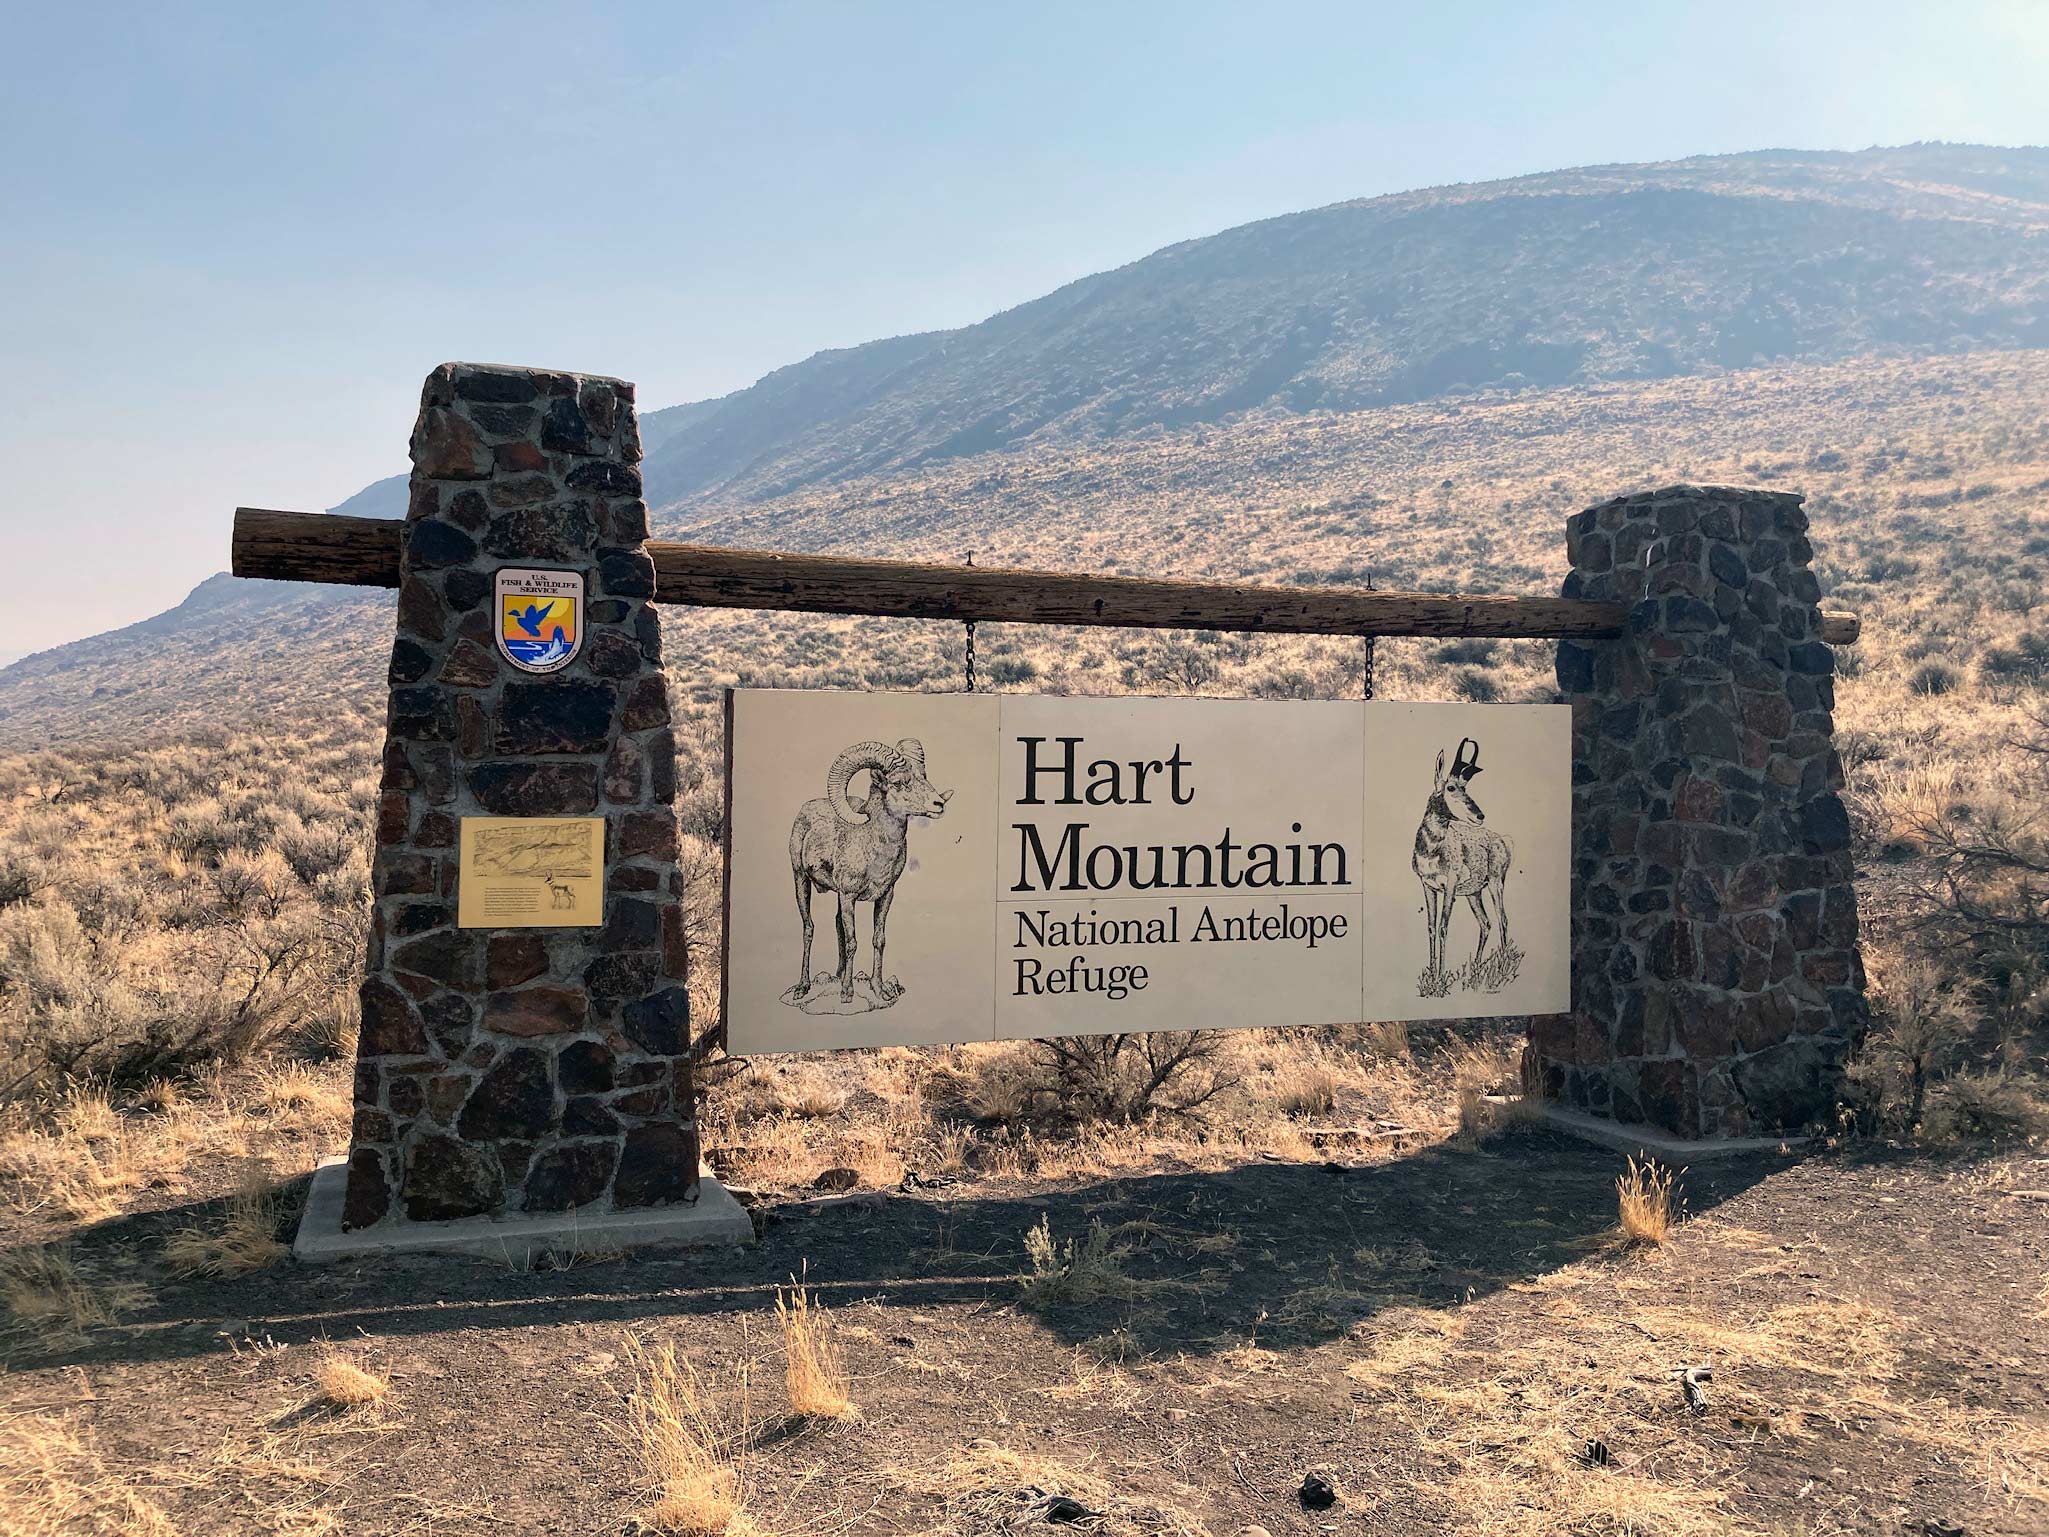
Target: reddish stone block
[(536, 1011)]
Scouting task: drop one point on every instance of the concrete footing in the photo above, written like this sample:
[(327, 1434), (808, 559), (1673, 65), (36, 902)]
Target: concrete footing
[(517, 1241)]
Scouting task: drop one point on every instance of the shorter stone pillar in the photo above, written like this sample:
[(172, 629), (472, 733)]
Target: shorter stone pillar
[(1717, 984), (523, 1070)]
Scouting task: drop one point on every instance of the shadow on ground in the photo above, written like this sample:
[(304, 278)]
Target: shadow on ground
[(1290, 1254)]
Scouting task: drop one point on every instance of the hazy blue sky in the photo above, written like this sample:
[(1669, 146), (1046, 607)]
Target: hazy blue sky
[(233, 238)]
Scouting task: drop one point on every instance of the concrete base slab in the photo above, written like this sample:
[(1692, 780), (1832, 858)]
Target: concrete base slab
[(517, 1241), (1627, 1137)]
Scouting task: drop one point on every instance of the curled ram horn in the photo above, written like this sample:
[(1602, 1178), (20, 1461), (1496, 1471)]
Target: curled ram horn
[(914, 753), (879, 756)]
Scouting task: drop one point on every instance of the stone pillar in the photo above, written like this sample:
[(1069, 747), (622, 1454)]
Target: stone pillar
[(523, 1070), (1717, 984)]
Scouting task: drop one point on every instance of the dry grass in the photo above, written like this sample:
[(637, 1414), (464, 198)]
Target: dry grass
[(55, 1481), (245, 1239), (1643, 1199), (814, 1370), (691, 1458), (49, 1299), (988, 1488), (347, 1385)]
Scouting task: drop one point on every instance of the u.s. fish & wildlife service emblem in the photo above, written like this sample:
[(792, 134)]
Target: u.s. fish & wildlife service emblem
[(540, 618)]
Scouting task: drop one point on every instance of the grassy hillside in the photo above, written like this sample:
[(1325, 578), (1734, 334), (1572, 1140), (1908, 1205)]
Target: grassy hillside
[(1600, 274)]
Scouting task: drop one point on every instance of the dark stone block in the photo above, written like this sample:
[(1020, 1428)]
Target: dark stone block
[(609, 478), (522, 491), (514, 1099), (624, 521), (611, 654), (501, 387), (368, 1194), (647, 705), (1791, 1085), (504, 421), (1812, 657), (448, 957), (446, 1179), (435, 543), (585, 1067), (564, 716), (647, 629), (421, 714), (466, 589), (390, 1024), (647, 834), (631, 924), (469, 510), (623, 773), (472, 727), (1666, 1091), (564, 428), (568, 1175), (407, 875), (626, 574), (600, 406), (420, 611), (449, 1018), (610, 611), (1706, 732), (1824, 825), (657, 1166), (659, 1024), (470, 665), (1686, 615), (588, 1117), (436, 765), (661, 768), (405, 1095), (409, 662), (535, 789), (419, 917), (614, 979), (563, 533)]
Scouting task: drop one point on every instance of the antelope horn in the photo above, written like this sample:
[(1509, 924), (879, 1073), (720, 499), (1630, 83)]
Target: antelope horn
[(1466, 764), (879, 756)]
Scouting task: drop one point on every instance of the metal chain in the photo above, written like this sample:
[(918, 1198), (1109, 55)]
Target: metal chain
[(1368, 681), (969, 626)]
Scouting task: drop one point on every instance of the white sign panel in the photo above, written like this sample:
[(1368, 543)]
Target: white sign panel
[(924, 868)]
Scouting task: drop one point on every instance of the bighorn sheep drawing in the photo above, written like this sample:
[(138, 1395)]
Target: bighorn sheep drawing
[(1458, 857), (857, 851)]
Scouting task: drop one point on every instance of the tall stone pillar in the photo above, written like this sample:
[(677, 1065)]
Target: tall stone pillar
[(523, 1070), (1717, 984)]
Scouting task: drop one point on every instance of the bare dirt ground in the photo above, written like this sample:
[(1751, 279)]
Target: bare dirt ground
[(1458, 1339)]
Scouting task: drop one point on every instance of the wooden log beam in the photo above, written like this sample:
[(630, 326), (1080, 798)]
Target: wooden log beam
[(317, 547)]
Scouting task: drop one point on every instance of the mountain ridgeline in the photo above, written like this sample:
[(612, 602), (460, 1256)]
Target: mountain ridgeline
[(1601, 274), (1294, 400)]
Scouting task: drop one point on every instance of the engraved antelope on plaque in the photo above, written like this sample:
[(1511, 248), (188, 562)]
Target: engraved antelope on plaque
[(1458, 856)]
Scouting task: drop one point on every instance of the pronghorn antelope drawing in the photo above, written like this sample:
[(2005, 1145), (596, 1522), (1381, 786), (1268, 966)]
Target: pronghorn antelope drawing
[(561, 897), (1456, 856)]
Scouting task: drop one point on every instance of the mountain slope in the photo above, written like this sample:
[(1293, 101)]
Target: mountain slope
[(1600, 274), (1051, 433)]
